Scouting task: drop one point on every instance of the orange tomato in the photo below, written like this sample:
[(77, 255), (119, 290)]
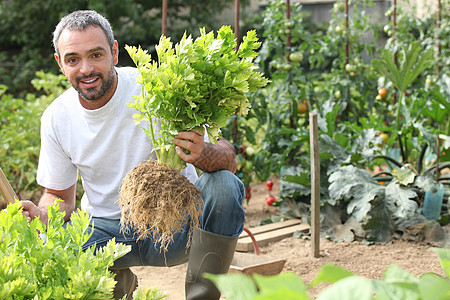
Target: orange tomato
[(302, 107), (382, 93)]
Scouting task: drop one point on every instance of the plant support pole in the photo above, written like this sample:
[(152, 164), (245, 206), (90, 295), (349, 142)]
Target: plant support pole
[(164, 17), (315, 185), (394, 24), (438, 26), (347, 54), (234, 133)]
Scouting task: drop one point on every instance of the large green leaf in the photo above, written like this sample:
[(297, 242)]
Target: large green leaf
[(349, 288), (356, 185), (235, 286), (444, 258), (330, 274), (402, 197), (404, 175), (289, 279), (412, 62), (380, 225), (433, 286), (402, 283)]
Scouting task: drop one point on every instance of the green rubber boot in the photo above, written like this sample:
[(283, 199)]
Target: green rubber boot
[(126, 283), (210, 253)]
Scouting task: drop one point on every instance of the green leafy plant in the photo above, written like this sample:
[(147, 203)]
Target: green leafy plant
[(395, 284), (48, 262), (27, 48), (19, 131), (412, 63), (195, 84)]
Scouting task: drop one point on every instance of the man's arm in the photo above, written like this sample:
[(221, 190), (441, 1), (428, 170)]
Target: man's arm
[(205, 156), (68, 196)]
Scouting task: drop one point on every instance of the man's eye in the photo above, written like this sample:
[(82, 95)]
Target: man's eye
[(72, 60), (96, 55)]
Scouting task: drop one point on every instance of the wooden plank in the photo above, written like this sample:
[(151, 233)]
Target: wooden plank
[(315, 185), (270, 227), (246, 244), (6, 189)]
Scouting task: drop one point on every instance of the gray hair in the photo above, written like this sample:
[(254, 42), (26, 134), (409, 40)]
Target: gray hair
[(80, 20)]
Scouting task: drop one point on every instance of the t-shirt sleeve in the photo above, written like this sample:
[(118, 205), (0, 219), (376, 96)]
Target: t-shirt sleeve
[(55, 168)]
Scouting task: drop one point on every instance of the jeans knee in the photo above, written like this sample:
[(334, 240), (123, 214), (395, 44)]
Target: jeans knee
[(221, 185), (223, 194)]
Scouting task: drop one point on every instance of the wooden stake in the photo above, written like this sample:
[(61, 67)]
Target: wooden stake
[(6, 189), (438, 26), (164, 18), (234, 132), (315, 185)]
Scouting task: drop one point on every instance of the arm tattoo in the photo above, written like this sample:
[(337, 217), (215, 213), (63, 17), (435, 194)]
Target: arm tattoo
[(215, 157)]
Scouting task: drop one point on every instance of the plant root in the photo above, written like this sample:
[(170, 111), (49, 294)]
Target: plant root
[(157, 201)]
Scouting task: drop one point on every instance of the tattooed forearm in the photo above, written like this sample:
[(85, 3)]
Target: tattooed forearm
[(215, 157)]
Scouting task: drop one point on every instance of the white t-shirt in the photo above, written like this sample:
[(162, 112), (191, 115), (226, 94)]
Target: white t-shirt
[(101, 145)]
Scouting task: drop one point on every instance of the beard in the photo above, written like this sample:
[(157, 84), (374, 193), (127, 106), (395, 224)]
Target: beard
[(95, 93)]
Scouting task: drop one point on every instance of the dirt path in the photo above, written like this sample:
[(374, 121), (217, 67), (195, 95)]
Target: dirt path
[(368, 261)]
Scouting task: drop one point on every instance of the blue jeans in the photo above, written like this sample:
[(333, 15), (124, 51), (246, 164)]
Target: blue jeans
[(222, 193)]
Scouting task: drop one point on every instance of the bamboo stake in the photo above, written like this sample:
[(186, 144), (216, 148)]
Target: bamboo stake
[(347, 42), (164, 17), (234, 132), (237, 12), (315, 185), (394, 24), (6, 189), (438, 26), (288, 16), (289, 50)]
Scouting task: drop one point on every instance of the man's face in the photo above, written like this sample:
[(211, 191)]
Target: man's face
[(86, 60)]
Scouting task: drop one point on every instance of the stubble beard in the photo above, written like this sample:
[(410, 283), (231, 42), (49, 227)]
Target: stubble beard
[(95, 93)]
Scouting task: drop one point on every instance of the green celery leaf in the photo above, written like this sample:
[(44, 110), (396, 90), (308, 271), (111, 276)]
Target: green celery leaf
[(444, 258), (236, 286), (434, 286), (349, 288), (330, 274)]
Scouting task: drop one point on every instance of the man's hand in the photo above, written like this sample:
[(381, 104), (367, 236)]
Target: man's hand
[(205, 156), (192, 141), (31, 211)]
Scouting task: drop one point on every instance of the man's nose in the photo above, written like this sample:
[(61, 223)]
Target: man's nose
[(86, 67)]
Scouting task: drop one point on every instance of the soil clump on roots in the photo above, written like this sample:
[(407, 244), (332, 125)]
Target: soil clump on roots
[(157, 201)]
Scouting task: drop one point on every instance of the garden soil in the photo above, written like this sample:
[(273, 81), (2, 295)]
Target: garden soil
[(365, 260)]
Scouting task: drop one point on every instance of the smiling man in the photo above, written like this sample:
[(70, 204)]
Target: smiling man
[(89, 131), (88, 66)]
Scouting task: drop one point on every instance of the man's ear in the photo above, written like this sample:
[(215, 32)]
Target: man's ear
[(115, 52), (58, 60)]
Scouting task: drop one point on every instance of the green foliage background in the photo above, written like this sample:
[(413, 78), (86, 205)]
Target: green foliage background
[(27, 26), (26, 50)]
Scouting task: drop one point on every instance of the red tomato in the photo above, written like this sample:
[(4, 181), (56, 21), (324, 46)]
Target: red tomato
[(270, 200), (269, 184)]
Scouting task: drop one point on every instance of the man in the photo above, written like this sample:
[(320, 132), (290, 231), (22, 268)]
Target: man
[(89, 131)]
